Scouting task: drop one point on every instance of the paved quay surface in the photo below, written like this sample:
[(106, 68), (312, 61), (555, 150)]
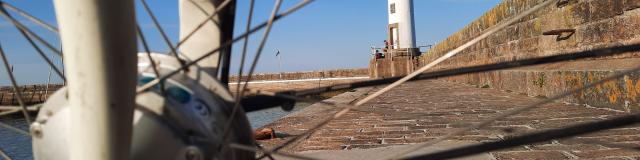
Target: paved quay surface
[(417, 112), (280, 85)]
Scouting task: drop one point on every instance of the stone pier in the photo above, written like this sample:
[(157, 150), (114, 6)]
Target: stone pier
[(421, 111)]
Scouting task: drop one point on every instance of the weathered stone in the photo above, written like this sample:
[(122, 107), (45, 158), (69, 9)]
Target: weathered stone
[(606, 153), (464, 103), (631, 4), (530, 155), (602, 9), (598, 23), (31, 94), (560, 147)]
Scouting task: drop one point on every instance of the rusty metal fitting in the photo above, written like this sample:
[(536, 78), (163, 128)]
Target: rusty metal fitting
[(561, 34)]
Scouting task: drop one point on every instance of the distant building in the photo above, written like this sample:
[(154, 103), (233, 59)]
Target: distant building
[(401, 35), (400, 54)]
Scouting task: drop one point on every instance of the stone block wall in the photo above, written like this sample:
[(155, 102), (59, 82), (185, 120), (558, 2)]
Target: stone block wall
[(32, 94), (597, 24), (355, 72), (392, 67), (310, 79)]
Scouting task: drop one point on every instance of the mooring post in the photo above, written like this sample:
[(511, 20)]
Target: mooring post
[(99, 42)]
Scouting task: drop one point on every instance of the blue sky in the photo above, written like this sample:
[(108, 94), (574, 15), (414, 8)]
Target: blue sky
[(327, 34)]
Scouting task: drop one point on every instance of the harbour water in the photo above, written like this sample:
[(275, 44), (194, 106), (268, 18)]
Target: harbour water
[(16, 145)]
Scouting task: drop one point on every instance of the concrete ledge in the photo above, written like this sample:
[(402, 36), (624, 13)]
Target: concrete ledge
[(337, 73)]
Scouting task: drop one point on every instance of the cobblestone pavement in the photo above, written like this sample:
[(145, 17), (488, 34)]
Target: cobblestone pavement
[(420, 111)]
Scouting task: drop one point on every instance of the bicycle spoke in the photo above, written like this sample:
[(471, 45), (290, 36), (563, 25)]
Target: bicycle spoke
[(273, 96), (244, 48), (424, 68), (27, 32), (145, 87), (10, 112), (173, 51), (474, 69), (311, 130), (283, 97), (30, 17), (254, 149), (266, 154), (16, 88), (455, 51), (265, 36), (39, 22), (513, 112), (231, 6), (535, 137), (4, 155), (261, 46), (28, 35), (12, 128), (46, 90), (293, 94), (147, 51), (204, 12), (217, 10)]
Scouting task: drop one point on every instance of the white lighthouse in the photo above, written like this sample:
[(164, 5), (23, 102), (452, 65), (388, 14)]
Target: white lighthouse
[(401, 37)]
